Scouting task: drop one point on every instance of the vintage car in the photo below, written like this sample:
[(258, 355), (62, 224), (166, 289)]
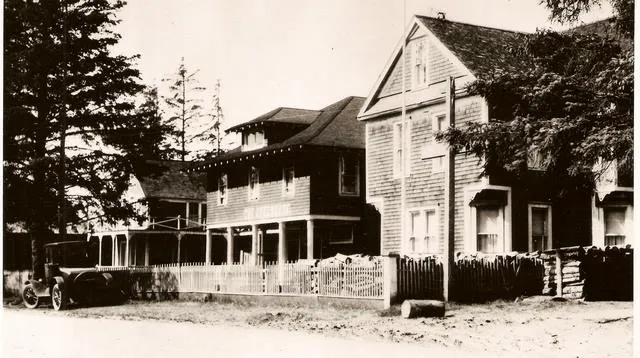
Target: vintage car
[(71, 276)]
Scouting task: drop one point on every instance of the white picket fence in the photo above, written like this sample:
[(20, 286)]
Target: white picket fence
[(291, 278)]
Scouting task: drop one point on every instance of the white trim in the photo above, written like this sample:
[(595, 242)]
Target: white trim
[(396, 54), (341, 164), (470, 218), (254, 194), (598, 222), (226, 190), (436, 229), (549, 208), (283, 219)]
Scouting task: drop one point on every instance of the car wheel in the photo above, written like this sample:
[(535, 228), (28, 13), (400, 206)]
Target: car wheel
[(59, 297), (29, 297)]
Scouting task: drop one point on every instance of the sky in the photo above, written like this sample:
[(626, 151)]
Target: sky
[(293, 53)]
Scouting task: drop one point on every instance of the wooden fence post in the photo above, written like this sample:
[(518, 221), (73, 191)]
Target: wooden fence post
[(558, 274), (390, 280)]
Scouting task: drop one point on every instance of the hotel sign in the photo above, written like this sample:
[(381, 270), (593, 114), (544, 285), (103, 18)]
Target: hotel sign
[(267, 211)]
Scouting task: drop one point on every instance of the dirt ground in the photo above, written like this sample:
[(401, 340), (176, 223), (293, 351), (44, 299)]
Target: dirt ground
[(533, 325)]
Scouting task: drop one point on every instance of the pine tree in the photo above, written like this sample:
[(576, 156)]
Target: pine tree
[(69, 101), (184, 105), (210, 134)]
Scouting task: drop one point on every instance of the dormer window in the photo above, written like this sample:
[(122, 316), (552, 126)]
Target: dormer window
[(253, 140), (419, 63)]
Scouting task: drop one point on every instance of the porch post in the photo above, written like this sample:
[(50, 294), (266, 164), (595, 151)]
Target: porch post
[(309, 239), (114, 250), (179, 241), (229, 245), (126, 249), (207, 247), (146, 250), (254, 244), (282, 242), (100, 250)]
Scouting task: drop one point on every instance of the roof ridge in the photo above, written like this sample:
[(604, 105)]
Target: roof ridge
[(324, 125), (474, 25)]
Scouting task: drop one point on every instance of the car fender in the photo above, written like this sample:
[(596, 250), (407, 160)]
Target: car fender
[(39, 287), (58, 279)]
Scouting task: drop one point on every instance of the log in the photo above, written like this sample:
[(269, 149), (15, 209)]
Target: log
[(422, 308)]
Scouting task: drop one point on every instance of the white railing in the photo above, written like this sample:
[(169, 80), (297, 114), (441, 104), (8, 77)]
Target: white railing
[(291, 278)]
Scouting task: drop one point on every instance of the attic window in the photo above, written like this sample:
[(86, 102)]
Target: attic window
[(419, 63), (253, 140)]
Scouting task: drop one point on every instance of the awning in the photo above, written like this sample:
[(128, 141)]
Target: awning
[(489, 197), (616, 198)]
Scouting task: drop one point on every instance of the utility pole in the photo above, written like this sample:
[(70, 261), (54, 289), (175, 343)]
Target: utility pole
[(449, 191), (62, 170)]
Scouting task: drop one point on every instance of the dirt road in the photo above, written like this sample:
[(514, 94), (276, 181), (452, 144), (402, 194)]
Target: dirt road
[(533, 327), (33, 334)]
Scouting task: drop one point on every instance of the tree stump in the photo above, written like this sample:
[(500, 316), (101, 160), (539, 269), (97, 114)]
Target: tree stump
[(422, 308)]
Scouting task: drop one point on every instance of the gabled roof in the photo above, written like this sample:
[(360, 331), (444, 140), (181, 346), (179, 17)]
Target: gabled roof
[(471, 49), (168, 180), (480, 48), (336, 126), (286, 115)]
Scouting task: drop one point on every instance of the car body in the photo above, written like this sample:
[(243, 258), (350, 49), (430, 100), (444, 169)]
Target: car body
[(71, 275)]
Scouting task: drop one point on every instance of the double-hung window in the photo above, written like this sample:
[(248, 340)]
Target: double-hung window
[(422, 231), (349, 177), (489, 229), (614, 225), (222, 189), (254, 183), (419, 59), (288, 176), (539, 227)]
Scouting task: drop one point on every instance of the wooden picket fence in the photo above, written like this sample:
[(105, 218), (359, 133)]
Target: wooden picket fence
[(290, 278), (474, 279), (420, 278)]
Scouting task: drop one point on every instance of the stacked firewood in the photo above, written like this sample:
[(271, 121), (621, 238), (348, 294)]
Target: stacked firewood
[(569, 262)]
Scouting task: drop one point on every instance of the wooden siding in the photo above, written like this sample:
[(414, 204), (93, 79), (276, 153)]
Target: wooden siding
[(440, 66), (423, 188), (271, 194)]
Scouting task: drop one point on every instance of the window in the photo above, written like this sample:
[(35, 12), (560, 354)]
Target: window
[(488, 229), (288, 175), (534, 159), (614, 226), (419, 73), (539, 227), (222, 189), (253, 140), (401, 157), (341, 233), (422, 231), (254, 183), (349, 176), (193, 212), (439, 123)]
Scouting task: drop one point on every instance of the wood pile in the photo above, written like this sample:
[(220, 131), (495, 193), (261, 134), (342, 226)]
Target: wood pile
[(591, 273)]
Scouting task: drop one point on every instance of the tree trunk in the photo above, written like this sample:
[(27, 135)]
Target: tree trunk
[(422, 308)]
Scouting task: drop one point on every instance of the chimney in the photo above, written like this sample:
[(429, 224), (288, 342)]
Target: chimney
[(441, 15)]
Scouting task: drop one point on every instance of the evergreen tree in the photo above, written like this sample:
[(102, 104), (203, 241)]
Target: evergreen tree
[(571, 102), (185, 110), (210, 134), (67, 100)]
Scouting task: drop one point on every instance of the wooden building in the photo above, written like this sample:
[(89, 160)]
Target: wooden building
[(407, 180), (293, 190), (173, 204)]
